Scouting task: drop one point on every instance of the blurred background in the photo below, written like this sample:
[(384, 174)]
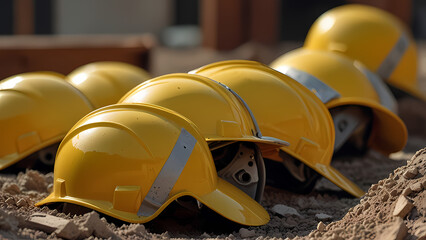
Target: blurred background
[(164, 36)]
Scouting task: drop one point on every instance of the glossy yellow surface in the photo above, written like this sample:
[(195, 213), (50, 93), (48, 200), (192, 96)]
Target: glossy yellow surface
[(367, 34), (284, 109), (104, 83), (389, 133), (111, 157), (217, 112), (36, 110)]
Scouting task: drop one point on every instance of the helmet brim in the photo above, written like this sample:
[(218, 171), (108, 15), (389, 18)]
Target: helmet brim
[(235, 205), (331, 174), (226, 200), (410, 91), (339, 179), (7, 161), (389, 133), (265, 144)]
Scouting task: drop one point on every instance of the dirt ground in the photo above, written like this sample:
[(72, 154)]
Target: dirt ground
[(394, 206)]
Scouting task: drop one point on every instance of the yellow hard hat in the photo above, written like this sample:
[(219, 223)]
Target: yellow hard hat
[(104, 83), (219, 113), (353, 85), (130, 161), (372, 36), (37, 109), (284, 109)]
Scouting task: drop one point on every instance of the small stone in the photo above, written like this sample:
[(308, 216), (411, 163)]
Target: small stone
[(321, 226), (390, 183), (372, 194), (410, 173), (11, 188), (396, 231), (245, 233), (205, 235), (284, 210), (366, 205), (50, 187), (416, 187), (323, 217), (424, 183), (358, 211), (394, 192), (407, 191), (420, 233), (45, 222), (231, 236), (385, 196), (135, 229), (21, 203), (403, 207), (371, 225), (68, 231), (10, 200), (92, 224), (32, 180)]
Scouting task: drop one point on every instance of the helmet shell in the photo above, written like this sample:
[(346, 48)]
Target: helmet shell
[(218, 112), (372, 36), (347, 78), (130, 161), (104, 83), (36, 110), (284, 109)]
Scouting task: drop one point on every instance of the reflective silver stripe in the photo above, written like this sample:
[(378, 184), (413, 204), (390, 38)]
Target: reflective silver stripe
[(256, 126), (393, 57), (322, 90), (169, 174), (385, 95)]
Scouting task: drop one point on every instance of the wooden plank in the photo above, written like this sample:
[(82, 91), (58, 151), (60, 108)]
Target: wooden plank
[(224, 23), (23, 17), (264, 27), (21, 54)]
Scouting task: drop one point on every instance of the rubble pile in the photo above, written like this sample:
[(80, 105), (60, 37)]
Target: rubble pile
[(393, 208)]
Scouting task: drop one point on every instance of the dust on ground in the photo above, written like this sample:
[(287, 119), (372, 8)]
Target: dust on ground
[(325, 213)]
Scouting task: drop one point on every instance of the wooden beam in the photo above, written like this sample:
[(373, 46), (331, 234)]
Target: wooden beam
[(224, 23), (264, 27), (23, 22)]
